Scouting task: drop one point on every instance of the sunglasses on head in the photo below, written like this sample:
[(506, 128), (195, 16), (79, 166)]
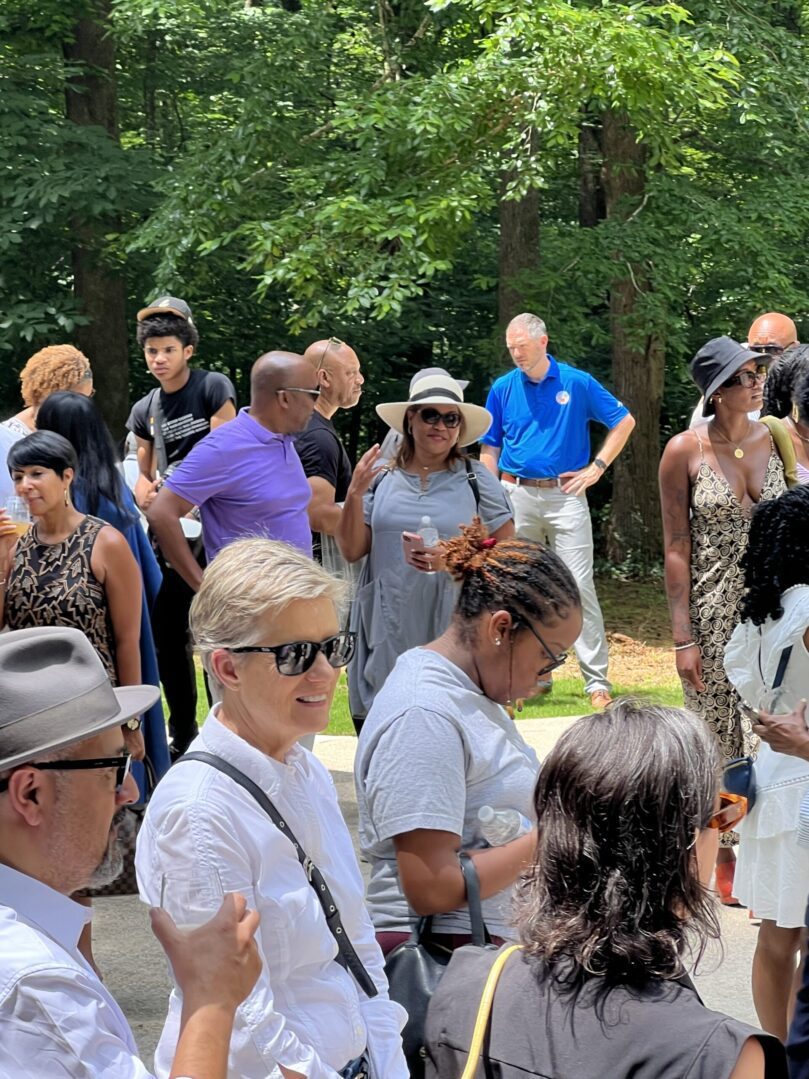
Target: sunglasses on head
[(433, 417), (298, 656), (732, 807), (767, 350), (748, 379), (333, 342), (122, 766)]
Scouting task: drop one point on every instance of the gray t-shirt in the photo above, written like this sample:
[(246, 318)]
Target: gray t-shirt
[(432, 751)]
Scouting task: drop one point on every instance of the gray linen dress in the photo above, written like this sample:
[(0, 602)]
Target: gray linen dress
[(397, 607)]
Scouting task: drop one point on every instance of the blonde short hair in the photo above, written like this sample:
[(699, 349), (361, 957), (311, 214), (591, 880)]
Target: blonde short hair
[(57, 367), (248, 580)]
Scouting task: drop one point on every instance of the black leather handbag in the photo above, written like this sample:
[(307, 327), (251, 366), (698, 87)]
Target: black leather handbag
[(415, 967)]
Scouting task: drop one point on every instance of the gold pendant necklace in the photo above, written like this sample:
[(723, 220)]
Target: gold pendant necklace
[(738, 452)]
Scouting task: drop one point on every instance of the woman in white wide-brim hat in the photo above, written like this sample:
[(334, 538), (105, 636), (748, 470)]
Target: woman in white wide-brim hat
[(405, 600)]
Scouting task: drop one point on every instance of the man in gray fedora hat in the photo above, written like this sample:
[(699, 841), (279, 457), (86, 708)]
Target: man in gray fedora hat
[(64, 782)]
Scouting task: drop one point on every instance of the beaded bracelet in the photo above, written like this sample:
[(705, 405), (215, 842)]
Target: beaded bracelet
[(685, 644)]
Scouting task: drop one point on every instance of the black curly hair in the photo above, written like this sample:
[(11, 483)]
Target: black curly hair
[(777, 554), (167, 326), (781, 379), (517, 575), (800, 395)]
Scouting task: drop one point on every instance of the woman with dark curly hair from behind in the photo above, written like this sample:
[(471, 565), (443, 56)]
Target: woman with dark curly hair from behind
[(772, 872), (614, 905)]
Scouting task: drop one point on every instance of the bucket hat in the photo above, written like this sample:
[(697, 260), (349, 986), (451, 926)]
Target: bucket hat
[(166, 305), (715, 363), (54, 692), (429, 388)]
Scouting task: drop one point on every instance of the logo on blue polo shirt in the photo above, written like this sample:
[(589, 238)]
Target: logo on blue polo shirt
[(562, 397)]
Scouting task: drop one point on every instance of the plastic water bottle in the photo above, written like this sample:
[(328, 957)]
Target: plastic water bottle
[(499, 826), (429, 535)]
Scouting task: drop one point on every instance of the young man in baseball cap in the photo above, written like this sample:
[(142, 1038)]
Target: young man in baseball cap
[(167, 423)]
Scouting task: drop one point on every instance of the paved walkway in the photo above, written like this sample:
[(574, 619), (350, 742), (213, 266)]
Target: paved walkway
[(136, 969)]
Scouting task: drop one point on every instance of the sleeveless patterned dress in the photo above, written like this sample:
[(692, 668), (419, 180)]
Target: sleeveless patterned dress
[(52, 584), (719, 529)]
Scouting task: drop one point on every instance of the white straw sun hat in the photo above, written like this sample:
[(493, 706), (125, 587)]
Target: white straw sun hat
[(429, 388)]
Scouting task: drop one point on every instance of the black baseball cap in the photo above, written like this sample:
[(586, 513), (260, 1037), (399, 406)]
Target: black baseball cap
[(166, 305)]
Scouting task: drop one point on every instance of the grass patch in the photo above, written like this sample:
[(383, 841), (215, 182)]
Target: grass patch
[(641, 660)]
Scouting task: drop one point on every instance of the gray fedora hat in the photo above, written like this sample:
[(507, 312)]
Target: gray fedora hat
[(54, 692)]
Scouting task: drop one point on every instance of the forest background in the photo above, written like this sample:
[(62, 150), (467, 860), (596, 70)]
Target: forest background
[(407, 176)]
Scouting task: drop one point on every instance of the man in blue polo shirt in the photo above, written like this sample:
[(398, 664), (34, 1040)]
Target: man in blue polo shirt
[(539, 446)]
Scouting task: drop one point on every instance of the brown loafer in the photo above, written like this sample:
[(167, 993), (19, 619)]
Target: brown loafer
[(599, 699)]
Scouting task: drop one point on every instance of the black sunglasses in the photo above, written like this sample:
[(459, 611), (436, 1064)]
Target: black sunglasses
[(556, 659), (298, 656), (748, 379), (121, 764), (432, 416), (767, 350)]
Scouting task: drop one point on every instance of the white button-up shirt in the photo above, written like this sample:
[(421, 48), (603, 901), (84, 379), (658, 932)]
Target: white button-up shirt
[(306, 1012), (56, 1017)]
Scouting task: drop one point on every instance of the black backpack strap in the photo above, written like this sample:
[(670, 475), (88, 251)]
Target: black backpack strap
[(156, 427), (347, 956), (783, 662)]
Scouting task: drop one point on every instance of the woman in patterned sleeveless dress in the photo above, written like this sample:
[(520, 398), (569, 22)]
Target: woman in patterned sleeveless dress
[(70, 569), (711, 477)]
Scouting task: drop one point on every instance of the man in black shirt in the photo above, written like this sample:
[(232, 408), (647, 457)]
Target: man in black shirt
[(167, 423), (322, 453)]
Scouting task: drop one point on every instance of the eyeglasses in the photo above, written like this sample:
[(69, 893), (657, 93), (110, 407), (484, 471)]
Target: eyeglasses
[(122, 765), (748, 379), (433, 417), (300, 389), (333, 342), (732, 807), (767, 350), (556, 660), (298, 656)]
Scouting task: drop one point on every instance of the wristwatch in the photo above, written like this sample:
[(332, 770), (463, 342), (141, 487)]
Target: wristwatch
[(600, 464), (133, 724)]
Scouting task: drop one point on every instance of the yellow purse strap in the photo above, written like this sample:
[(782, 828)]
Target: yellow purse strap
[(484, 1011)]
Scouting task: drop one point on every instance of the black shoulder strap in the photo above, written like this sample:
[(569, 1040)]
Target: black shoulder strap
[(783, 661), (346, 957), (472, 478), (156, 428)]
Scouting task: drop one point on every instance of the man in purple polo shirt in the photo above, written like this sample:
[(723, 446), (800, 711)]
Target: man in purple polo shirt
[(245, 476)]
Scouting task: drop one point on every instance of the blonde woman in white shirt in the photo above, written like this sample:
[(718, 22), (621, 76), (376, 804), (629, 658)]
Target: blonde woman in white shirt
[(265, 623)]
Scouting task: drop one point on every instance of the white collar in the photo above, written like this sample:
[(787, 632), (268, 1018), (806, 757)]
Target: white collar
[(269, 773), (58, 916)]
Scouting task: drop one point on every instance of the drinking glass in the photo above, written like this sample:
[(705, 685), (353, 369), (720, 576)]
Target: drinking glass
[(192, 896), (17, 509)]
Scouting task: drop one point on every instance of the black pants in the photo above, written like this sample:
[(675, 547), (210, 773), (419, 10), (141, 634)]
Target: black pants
[(175, 658)]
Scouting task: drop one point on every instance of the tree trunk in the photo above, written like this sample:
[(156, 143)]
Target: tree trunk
[(98, 286), (637, 363), (591, 189), (519, 250)]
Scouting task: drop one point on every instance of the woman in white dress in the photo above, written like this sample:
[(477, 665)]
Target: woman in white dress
[(772, 872)]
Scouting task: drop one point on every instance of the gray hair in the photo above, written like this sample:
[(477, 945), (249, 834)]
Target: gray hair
[(247, 580), (532, 324)]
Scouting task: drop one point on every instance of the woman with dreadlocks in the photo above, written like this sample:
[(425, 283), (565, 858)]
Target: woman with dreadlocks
[(438, 743), (772, 872)]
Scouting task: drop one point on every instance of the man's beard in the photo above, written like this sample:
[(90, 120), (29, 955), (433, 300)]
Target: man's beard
[(112, 864)]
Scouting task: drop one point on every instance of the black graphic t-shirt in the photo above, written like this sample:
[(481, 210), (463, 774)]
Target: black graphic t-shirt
[(186, 413)]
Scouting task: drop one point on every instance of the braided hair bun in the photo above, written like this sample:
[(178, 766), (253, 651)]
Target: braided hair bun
[(517, 575)]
